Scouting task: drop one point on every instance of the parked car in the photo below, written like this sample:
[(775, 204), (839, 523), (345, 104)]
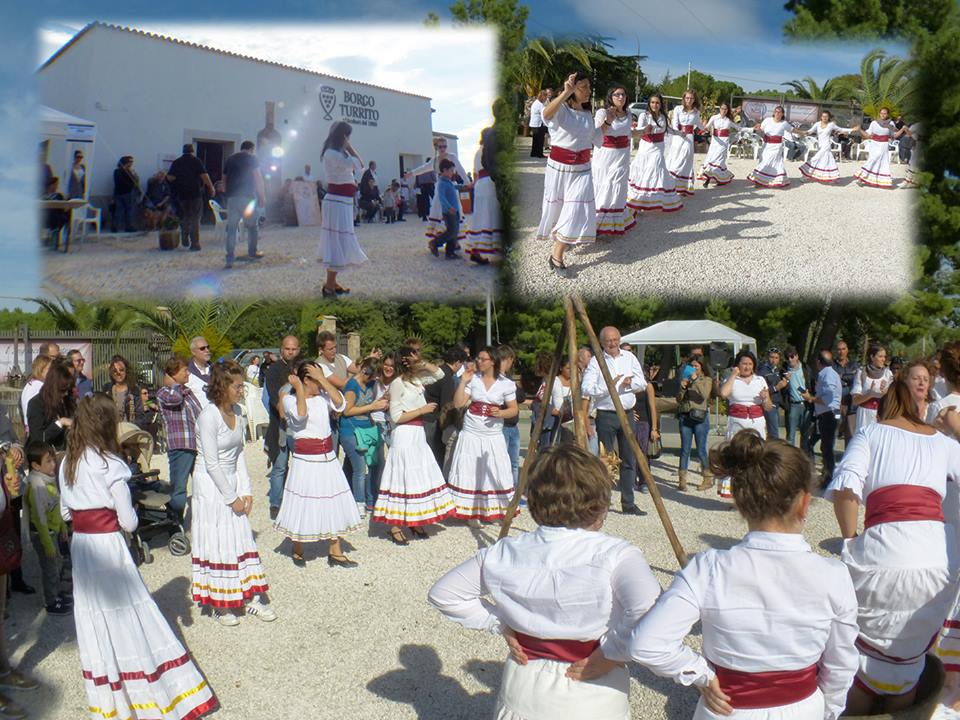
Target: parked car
[(637, 108), (243, 355)]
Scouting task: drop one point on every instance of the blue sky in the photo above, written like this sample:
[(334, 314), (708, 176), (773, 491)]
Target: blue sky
[(738, 40)]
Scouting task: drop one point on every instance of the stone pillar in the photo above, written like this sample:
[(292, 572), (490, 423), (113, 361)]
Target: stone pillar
[(353, 345)]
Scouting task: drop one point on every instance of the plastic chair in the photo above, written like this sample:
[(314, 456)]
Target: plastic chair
[(219, 219), (836, 149), (88, 216), (812, 149), (257, 415), (860, 148), (894, 149)]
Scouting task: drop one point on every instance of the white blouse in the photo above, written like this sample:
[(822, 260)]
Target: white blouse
[(879, 128), (656, 125), (573, 129), (619, 127), (406, 395), (825, 134), (684, 117), (769, 126), (747, 393), (339, 167), (952, 400), (769, 603), (316, 423), (220, 456), (719, 122), (863, 385), (554, 584), (501, 392), (100, 482), (30, 391)]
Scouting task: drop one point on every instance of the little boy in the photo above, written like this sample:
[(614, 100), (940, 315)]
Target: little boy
[(449, 194), (46, 524), (390, 204)]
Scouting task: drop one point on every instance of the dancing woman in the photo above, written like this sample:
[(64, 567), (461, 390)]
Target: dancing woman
[(770, 171), (747, 398), (904, 564), (569, 215), (679, 155), (651, 185), (436, 225), (484, 234), (715, 164), (132, 661), (870, 384), (317, 503), (339, 248), (611, 165), (822, 167), (875, 172)]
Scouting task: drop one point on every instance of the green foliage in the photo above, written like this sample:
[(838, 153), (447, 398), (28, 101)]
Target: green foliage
[(182, 321), (36, 321), (508, 16), (711, 90), (859, 19), (440, 326), (808, 89), (268, 325), (71, 314)]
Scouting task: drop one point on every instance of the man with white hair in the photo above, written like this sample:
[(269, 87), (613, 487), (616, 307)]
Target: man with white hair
[(627, 375), (199, 369)]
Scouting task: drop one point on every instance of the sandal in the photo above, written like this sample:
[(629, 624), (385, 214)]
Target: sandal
[(398, 537), (340, 561), (9, 709), (16, 680), (419, 532), (341, 290)]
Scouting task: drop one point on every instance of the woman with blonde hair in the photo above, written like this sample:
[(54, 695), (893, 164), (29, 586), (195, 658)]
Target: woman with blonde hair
[(652, 187), (38, 372), (875, 172), (679, 155), (770, 171), (132, 661)]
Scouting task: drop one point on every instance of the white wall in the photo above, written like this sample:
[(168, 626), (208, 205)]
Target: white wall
[(148, 96)]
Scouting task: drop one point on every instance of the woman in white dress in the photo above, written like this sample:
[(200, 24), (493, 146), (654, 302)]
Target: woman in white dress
[(651, 186), (715, 164), (484, 234), (339, 248), (435, 224), (679, 153), (778, 620), (611, 166), (870, 384), (822, 167), (317, 502), (132, 661), (770, 171), (875, 172), (560, 594), (747, 398), (904, 564), (227, 573), (949, 357), (569, 215), (412, 491), (481, 476)]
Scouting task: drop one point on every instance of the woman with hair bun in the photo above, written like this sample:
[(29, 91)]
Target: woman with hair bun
[(747, 397), (778, 620), (870, 384), (562, 593), (904, 563)]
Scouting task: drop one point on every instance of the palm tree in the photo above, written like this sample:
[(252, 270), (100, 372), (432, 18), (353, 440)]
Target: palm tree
[(74, 314), (182, 321), (808, 89), (884, 82), (542, 57)]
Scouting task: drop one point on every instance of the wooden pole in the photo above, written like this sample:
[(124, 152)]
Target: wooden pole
[(535, 437), (631, 440), (579, 431)]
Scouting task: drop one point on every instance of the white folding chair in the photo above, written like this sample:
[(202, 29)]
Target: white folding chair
[(812, 149), (219, 219), (83, 217), (861, 149), (836, 149)]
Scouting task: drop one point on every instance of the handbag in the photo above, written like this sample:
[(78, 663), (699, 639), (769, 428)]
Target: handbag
[(654, 449), (10, 549), (697, 415)]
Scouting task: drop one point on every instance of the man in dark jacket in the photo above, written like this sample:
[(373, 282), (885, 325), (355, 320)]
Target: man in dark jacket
[(277, 442), (441, 393)]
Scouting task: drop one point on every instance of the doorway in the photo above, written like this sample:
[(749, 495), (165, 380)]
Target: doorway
[(213, 154)]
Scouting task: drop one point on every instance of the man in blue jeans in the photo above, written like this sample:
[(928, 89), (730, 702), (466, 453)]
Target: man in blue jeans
[(244, 190), (797, 409), (277, 442), (179, 408)]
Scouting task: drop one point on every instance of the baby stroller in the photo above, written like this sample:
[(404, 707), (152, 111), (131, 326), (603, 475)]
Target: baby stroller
[(149, 497)]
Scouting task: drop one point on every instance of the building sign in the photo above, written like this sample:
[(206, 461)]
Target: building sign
[(354, 107), (22, 356)]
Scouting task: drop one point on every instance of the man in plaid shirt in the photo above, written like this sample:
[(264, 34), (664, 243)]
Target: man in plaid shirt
[(179, 407)]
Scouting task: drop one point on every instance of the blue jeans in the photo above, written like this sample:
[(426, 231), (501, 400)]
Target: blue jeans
[(593, 441), (448, 238), (278, 472), (772, 418), (124, 216), (690, 430), (236, 206), (181, 465), (511, 433), (359, 472), (795, 422)]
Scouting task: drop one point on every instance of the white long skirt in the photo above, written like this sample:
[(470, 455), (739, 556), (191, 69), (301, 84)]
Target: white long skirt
[(810, 708), (611, 175), (412, 490), (904, 574), (484, 234), (226, 565), (679, 160), (481, 476), (339, 248), (436, 225), (569, 212), (735, 425), (770, 171), (651, 186), (317, 502), (540, 690), (822, 167), (132, 663), (875, 172), (865, 416), (715, 164)]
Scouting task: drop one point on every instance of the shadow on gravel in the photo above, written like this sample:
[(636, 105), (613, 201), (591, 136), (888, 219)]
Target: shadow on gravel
[(832, 545), (174, 601), (696, 499), (420, 684), (719, 542), (680, 700)]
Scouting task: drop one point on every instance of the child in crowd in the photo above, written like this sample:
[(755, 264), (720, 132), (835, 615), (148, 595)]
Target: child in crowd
[(390, 204), (448, 192), (47, 527)]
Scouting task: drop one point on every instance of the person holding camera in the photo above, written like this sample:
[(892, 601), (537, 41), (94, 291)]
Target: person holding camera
[(776, 382), (693, 412)]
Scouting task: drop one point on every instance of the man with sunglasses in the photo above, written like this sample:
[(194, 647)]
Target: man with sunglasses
[(84, 384), (772, 373), (199, 369)]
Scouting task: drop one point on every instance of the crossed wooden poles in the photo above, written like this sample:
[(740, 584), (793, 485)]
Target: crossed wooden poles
[(568, 335)]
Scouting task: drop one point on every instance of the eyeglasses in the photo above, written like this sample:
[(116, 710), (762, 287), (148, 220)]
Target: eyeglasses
[(78, 361)]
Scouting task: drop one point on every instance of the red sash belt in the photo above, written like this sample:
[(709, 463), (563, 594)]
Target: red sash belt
[(570, 651), (482, 409), (482, 174), (415, 421), (654, 138), (313, 446), (903, 503), (721, 133), (767, 689), (346, 189), (686, 129), (880, 138), (616, 141), (871, 404), (744, 412), (775, 139), (94, 522), (570, 157)]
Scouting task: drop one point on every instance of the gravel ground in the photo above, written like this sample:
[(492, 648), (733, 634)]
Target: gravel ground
[(736, 241), (364, 643), (399, 266)]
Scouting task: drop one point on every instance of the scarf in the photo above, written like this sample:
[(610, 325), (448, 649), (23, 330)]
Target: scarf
[(873, 373)]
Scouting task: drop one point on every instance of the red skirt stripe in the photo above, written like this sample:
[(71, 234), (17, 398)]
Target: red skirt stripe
[(411, 496), (465, 491), (240, 602), (226, 566), (138, 674)]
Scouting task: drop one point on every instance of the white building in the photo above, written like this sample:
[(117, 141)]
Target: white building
[(149, 94)]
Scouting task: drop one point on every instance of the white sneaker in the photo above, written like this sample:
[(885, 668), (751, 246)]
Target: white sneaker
[(225, 617), (261, 611), (362, 509)]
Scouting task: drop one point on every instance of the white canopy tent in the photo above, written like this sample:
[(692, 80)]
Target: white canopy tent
[(689, 332), (65, 134)]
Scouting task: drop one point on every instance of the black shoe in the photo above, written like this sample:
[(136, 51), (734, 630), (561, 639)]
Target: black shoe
[(479, 259), (631, 510), (558, 266), (194, 248), (22, 588), (705, 183), (66, 599), (340, 561), (273, 508), (58, 608)]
